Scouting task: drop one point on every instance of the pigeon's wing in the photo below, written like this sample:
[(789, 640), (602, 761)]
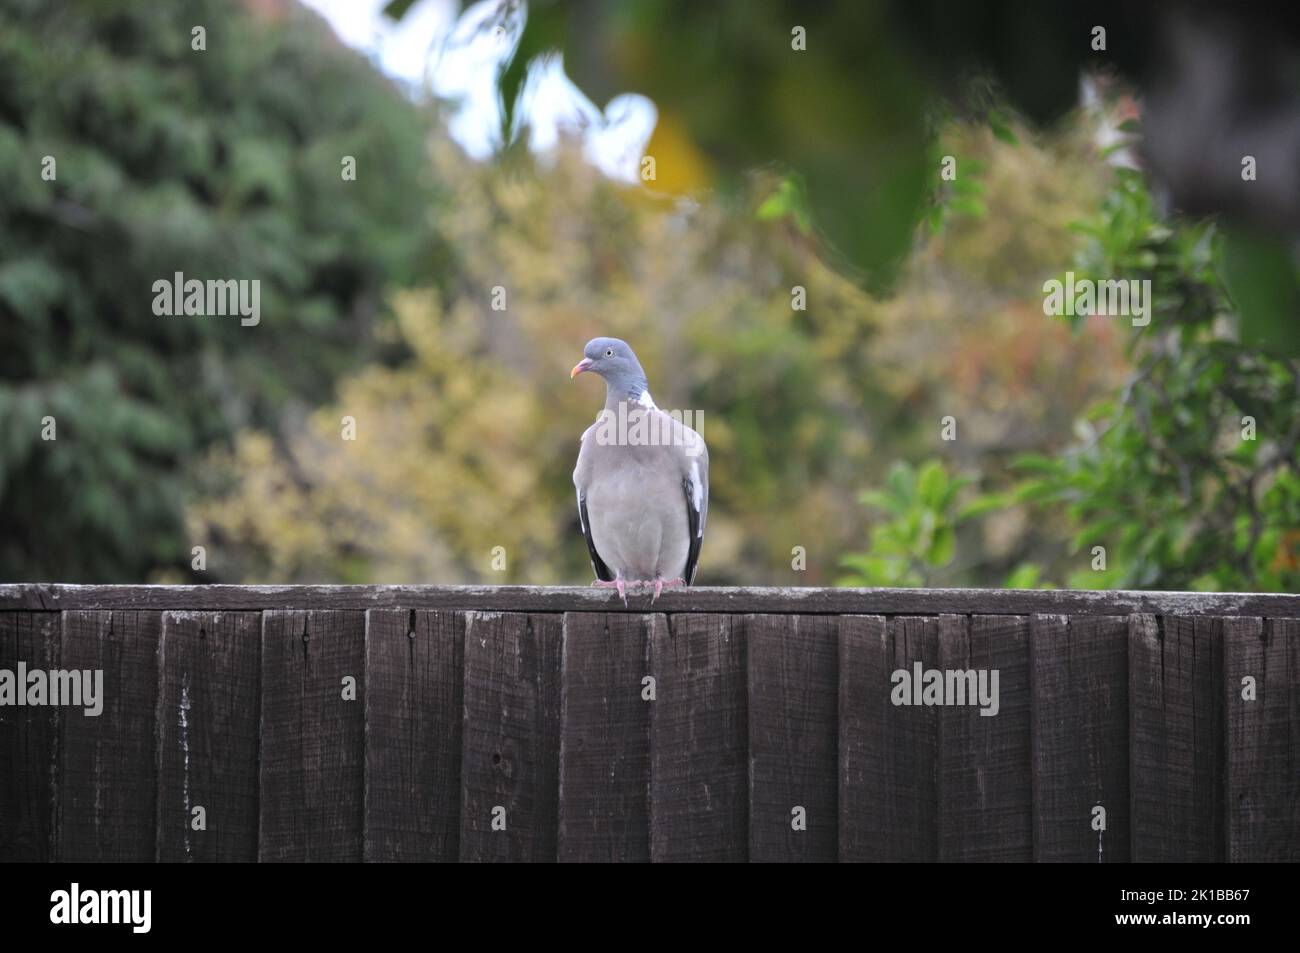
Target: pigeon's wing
[(695, 484), (581, 479)]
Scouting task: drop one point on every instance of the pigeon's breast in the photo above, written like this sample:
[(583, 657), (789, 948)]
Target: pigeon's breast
[(638, 516)]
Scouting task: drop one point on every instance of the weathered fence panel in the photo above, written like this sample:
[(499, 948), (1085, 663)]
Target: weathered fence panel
[(986, 805), (793, 737), (209, 702), (605, 737), (107, 786), (699, 740), (312, 767), (413, 732), (889, 758), (1079, 731), (510, 769), (1176, 738), (29, 743), (1263, 740), (480, 724)]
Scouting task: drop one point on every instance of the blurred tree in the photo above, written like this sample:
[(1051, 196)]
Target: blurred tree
[(469, 443), (847, 95), (1189, 477), (224, 162)]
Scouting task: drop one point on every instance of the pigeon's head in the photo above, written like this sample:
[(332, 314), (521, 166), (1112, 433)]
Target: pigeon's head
[(613, 360)]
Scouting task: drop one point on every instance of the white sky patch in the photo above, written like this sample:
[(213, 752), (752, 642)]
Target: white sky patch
[(435, 48)]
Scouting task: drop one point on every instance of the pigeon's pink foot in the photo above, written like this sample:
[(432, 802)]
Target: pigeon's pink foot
[(661, 584), (618, 584)]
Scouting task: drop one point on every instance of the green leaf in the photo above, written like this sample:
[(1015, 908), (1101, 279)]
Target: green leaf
[(1002, 130), (1261, 277)]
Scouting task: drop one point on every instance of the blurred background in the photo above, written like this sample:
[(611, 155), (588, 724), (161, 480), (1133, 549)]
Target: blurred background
[(824, 227)]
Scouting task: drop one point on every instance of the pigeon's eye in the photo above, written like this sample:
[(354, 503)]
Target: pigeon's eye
[(609, 352)]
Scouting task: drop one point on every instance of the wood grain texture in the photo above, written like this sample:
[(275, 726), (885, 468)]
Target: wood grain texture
[(699, 741), (736, 600), (985, 807), (888, 755), (1263, 739), (1176, 729), (793, 664), (512, 736), (29, 742), (312, 767), (209, 699), (1079, 737), (865, 656), (413, 729), (605, 737), (108, 781)]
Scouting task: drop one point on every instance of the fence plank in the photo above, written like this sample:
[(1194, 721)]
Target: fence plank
[(888, 753), (793, 664), (413, 711), (605, 737), (864, 670), (29, 741), (209, 695), (985, 807), (1263, 740), (512, 736), (699, 765), (311, 780), (1176, 738), (107, 781), (1079, 737)]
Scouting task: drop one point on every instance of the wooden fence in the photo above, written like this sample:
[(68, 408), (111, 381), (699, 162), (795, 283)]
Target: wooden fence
[(413, 723)]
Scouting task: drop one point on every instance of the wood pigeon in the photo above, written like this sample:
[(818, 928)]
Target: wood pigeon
[(642, 479)]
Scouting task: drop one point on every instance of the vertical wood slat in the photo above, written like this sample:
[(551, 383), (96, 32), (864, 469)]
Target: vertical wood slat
[(209, 700), (1176, 738), (29, 742), (1079, 737), (699, 744), (605, 737), (413, 711), (312, 765), (793, 668), (888, 753), (108, 782), (1263, 739), (511, 752), (985, 808)]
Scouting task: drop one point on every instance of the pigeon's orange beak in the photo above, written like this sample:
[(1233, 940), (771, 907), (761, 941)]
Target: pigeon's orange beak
[(578, 368)]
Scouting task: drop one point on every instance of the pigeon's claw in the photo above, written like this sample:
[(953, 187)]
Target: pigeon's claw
[(619, 583)]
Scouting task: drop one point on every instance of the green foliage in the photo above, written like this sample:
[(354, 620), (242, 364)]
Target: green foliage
[(221, 163), (849, 113), (918, 537), (1190, 476)]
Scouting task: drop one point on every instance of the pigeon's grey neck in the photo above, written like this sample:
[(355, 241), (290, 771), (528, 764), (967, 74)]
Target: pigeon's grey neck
[(629, 385)]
